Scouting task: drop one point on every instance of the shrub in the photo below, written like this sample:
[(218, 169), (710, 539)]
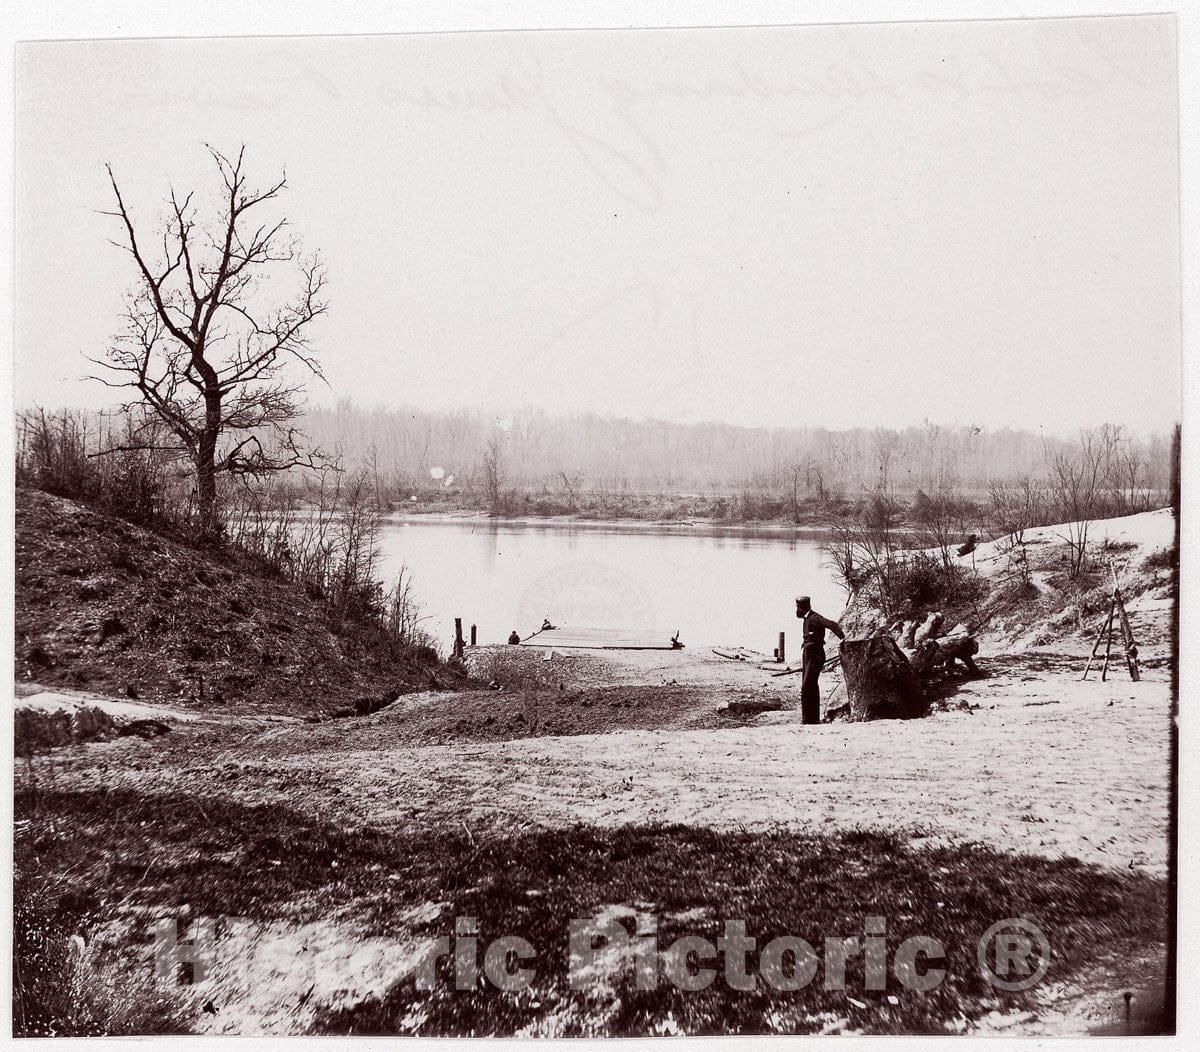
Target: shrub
[(1017, 591), (35, 730), (922, 583)]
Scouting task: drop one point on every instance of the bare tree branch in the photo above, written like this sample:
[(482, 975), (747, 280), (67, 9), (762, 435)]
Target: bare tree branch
[(206, 356)]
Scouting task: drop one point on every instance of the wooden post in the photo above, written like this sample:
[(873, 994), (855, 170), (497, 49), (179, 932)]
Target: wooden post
[(1112, 610), (472, 635), (458, 637), (782, 652), (1099, 638), (1127, 638)]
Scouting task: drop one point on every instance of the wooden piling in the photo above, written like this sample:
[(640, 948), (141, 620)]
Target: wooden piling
[(458, 638), (782, 653), (472, 635)]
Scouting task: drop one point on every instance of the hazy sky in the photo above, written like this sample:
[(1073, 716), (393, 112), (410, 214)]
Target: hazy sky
[(838, 226)]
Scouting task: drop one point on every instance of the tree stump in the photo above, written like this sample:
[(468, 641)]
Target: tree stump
[(880, 682)]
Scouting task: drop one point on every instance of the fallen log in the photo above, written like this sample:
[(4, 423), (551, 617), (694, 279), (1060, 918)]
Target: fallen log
[(830, 663), (750, 707), (739, 654), (935, 655)]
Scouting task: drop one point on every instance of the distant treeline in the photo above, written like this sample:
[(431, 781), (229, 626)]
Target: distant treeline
[(489, 460)]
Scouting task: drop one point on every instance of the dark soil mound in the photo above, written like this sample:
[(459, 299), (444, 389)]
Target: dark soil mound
[(491, 715), (105, 605)]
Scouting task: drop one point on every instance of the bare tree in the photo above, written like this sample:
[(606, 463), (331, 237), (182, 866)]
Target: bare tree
[(494, 474), (864, 554), (571, 483), (885, 451), (1015, 507), (403, 617), (814, 479), (1077, 481), (841, 551), (941, 519), (794, 471), (211, 333), (1130, 481)]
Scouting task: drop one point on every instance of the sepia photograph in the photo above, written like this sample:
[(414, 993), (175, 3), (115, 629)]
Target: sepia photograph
[(633, 529)]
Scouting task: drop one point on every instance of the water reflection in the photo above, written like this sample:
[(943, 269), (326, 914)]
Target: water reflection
[(714, 585)]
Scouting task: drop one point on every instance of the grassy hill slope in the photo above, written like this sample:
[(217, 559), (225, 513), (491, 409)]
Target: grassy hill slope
[(104, 605)]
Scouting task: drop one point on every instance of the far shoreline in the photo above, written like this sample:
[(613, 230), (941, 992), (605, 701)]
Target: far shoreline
[(464, 516)]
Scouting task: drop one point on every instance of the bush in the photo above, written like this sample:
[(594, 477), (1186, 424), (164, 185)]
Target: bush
[(1015, 593), (35, 730), (922, 583), (86, 458), (1063, 583)]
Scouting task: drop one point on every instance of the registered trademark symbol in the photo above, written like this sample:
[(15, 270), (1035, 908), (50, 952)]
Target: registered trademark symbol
[(1014, 954)]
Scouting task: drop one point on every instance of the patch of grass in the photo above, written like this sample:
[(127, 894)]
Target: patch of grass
[(1161, 559), (778, 883), (267, 861), (61, 987)]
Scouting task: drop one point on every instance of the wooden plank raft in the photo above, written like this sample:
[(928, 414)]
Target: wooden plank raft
[(740, 654), (602, 638), (756, 658)]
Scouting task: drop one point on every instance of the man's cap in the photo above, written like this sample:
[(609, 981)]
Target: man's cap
[(803, 599)]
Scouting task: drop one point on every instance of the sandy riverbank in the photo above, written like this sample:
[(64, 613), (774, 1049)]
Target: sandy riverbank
[(1036, 792), (1042, 766)]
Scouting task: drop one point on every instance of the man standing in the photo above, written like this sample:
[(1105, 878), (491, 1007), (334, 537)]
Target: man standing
[(812, 657)]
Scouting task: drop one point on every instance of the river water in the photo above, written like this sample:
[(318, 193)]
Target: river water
[(713, 585)]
